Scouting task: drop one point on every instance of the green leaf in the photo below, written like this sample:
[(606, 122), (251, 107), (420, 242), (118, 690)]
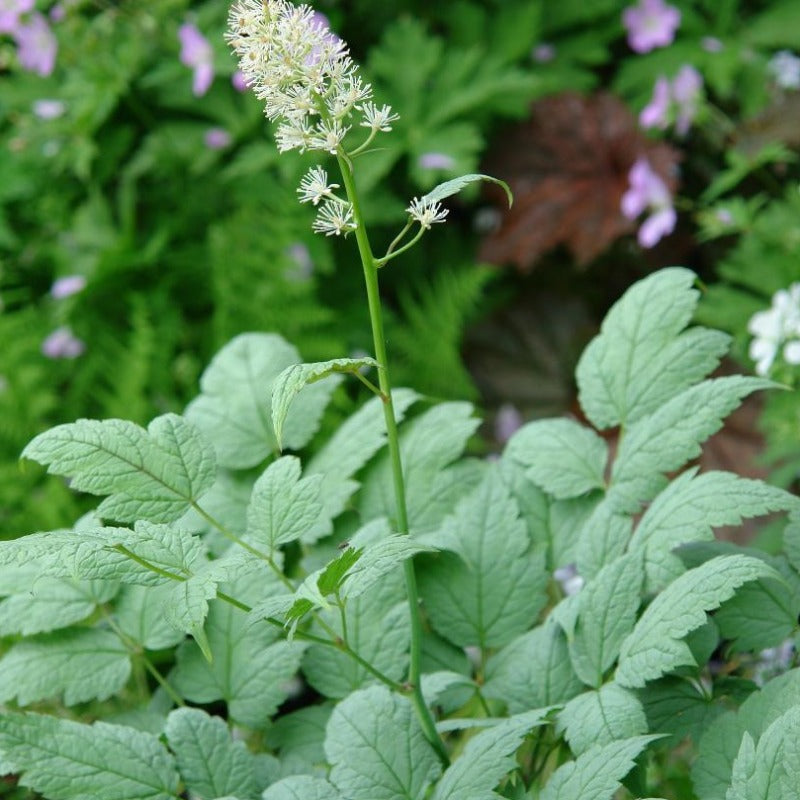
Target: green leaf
[(602, 538), (139, 612), (597, 772), (455, 185), (769, 771), (186, 607), (763, 613), (377, 561), (233, 409), (250, 670), (81, 664), (154, 474), (669, 437), (294, 378), (487, 758), (688, 510), (299, 738), (65, 760), (301, 787), (639, 361), (711, 771), (428, 444), (348, 450), (564, 457), (377, 630), (601, 716), (376, 748), (655, 645), (283, 507), (607, 613), (38, 604), (210, 762), (491, 586), (533, 671)]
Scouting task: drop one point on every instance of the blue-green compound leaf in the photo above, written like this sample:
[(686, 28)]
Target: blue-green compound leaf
[(770, 769), (81, 664), (688, 510), (607, 613), (64, 760), (672, 435), (454, 186), (210, 762), (301, 787), (289, 383), (376, 748), (283, 507), (656, 646), (233, 409), (487, 759), (154, 474), (491, 587), (596, 773), (602, 716), (640, 359), (563, 457), (533, 671)]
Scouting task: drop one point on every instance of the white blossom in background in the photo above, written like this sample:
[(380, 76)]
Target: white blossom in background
[(784, 67), (774, 661), (569, 580), (777, 330)]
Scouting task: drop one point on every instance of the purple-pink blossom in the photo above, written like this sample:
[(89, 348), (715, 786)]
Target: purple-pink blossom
[(62, 343), (543, 53), (650, 24), (678, 99), (648, 192), (436, 161), (67, 286), (507, 422), (217, 138), (10, 12), (656, 113), (239, 81), (196, 53), (49, 109), (36, 45)]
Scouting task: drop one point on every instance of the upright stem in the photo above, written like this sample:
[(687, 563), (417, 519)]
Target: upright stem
[(376, 319)]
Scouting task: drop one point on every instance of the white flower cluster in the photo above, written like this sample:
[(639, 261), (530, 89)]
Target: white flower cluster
[(777, 330), (310, 86), (785, 69), (303, 73)]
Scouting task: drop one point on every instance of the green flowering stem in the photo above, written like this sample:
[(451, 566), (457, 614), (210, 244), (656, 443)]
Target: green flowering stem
[(370, 266)]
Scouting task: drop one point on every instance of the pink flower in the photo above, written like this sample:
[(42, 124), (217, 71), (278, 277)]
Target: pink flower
[(239, 81), (680, 97), (543, 53), (648, 192), (507, 422), (436, 161), (217, 138), (686, 88), (62, 343), (67, 286), (36, 46), (711, 44), (656, 113), (10, 11), (650, 24), (49, 109), (196, 53)]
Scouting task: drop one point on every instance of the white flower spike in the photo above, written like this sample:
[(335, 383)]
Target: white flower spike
[(426, 213)]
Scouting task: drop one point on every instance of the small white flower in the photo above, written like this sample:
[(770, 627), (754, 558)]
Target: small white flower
[(378, 119), (314, 186), (328, 136), (785, 69), (334, 218), (776, 329), (426, 213), (569, 580), (293, 135)]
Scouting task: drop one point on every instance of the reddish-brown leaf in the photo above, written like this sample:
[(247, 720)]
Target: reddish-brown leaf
[(568, 168)]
